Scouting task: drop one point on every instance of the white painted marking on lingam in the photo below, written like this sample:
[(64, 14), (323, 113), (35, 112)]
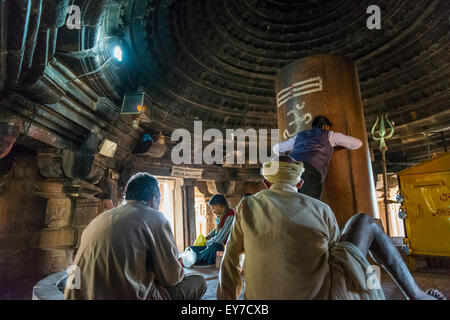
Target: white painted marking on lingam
[(306, 118), (301, 88)]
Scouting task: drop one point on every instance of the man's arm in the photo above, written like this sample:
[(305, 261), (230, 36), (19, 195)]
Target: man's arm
[(341, 140), (211, 234), (223, 233), (230, 282), (168, 271), (284, 146)]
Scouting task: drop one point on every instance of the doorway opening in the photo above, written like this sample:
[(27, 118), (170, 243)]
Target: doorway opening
[(167, 205), (202, 221), (172, 206)]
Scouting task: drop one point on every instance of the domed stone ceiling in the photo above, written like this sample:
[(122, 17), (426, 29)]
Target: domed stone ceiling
[(216, 60)]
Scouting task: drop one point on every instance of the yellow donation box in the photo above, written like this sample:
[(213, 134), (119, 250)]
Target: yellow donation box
[(425, 189)]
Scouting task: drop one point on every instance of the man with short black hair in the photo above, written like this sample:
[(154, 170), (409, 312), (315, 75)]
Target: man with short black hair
[(220, 207), (130, 253), (314, 148), (218, 237)]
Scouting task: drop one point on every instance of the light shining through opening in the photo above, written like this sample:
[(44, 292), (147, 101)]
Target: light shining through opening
[(118, 53)]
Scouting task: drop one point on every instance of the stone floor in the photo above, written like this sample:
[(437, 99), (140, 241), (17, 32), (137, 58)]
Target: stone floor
[(437, 279), (211, 275), (432, 278)]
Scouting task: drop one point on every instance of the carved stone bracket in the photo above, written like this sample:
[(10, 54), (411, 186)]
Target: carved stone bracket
[(226, 187), (89, 164), (248, 175), (9, 132), (203, 188), (78, 188), (56, 163), (84, 164)]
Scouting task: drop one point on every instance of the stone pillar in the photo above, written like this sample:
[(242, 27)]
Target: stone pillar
[(328, 85), (58, 237), (71, 205), (189, 212), (204, 187)]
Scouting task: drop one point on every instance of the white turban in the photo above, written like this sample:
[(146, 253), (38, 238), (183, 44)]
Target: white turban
[(277, 171)]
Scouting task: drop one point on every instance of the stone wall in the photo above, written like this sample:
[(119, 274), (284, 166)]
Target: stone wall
[(22, 215), (43, 213)]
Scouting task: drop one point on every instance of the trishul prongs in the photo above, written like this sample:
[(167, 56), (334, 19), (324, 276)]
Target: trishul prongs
[(383, 137)]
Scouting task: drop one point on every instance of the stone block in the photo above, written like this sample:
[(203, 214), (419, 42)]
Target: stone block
[(58, 213), (57, 238), (85, 211)]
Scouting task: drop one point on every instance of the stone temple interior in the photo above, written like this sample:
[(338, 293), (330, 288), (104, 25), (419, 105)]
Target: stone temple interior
[(72, 133)]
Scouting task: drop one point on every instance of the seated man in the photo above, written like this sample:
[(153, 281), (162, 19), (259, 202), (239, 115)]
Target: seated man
[(130, 253), (217, 238), (294, 250)]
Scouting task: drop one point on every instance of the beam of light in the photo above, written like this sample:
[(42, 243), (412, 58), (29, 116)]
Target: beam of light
[(118, 55)]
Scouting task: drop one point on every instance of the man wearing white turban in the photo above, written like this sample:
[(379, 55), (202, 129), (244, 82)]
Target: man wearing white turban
[(294, 249)]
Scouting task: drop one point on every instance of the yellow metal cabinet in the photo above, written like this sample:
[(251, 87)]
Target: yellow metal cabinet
[(426, 192)]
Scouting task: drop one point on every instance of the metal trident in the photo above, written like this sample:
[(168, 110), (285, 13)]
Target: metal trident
[(383, 131), (382, 138)]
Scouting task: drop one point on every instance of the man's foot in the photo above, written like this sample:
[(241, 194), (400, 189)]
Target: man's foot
[(431, 294), (436, 294)]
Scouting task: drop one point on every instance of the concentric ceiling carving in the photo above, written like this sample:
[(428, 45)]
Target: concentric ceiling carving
[(215, 60)]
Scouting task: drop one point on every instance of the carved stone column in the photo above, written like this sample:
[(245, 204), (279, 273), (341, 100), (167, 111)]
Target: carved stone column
[(71, 205), (58, 237), (328, 85), (85, 204), (110, 195), (189, 212)]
